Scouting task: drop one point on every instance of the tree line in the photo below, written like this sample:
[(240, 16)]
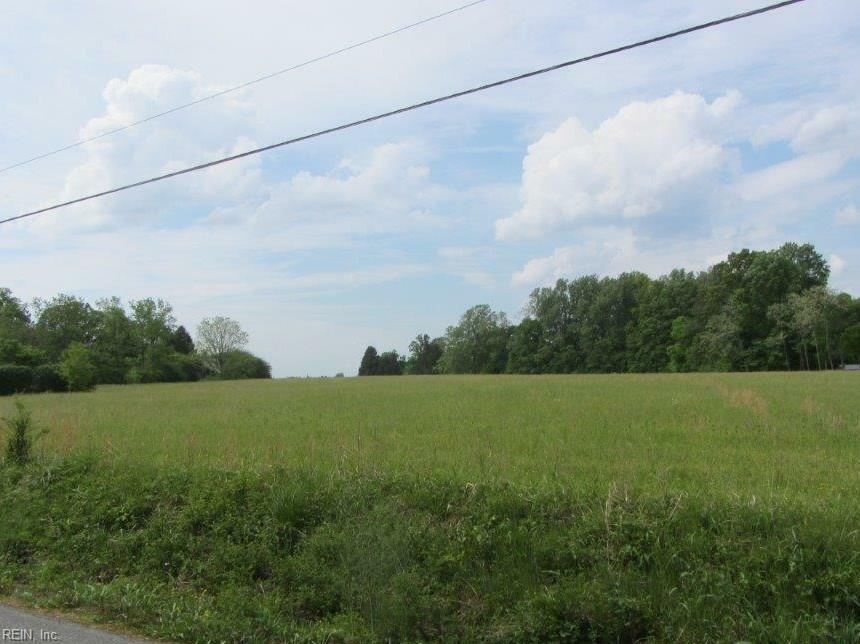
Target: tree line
[(65, 343), (755, 311)]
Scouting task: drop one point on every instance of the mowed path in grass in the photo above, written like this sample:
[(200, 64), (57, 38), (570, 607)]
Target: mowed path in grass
[(794, 435)]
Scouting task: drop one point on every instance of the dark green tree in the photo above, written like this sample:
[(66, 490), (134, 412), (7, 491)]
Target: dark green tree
[(181, 341), (369, 363), (424, 355), (850, 344), (239, 365)]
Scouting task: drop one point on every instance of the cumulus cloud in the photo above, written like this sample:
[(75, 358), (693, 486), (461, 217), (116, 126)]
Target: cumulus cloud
[(611, 250), (604, 248), (835, 128), (649, 157), (176, 141), (387, 190), (824, 140), (794, 174)]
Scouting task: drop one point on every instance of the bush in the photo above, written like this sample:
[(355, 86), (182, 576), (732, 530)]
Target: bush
[(15, 352), (19, 444), (47, 377), (15, 379), (191, 366), (78, 368), (273, 556), (239, 365), (162, 364)]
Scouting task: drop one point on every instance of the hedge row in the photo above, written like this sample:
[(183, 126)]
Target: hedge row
[(18, 379)]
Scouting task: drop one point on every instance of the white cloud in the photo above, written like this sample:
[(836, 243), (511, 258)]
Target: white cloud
[(649, 157), (835, 128), (837, 264), (605, 247), (388, 190), (164, 145), (787, 176), (847, 216), (612, 250)]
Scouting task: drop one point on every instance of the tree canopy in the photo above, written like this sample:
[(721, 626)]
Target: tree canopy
[(757, 310), (68, 343)]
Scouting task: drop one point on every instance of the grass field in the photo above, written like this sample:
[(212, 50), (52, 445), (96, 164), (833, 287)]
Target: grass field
[(794, 434), (700, 507)]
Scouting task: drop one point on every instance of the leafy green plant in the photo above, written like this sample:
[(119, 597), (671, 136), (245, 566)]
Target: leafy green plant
[(77, 367), (19, 444)]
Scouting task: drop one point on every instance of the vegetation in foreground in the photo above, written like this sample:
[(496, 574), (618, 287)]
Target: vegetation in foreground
[(276, 555), (701, 507)]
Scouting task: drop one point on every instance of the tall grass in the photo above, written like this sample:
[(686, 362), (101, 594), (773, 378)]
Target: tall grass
[(708, 507), (795, 435)]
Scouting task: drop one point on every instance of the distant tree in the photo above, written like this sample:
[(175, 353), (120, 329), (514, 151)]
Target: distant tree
[(77, 367), (181, 341), (811, 268), (390, 364), (681, 337), (63, 320), (154, 321), (240, 365), (850, 344), (369, 363), (719, 347), (781, 315), (117, 344), (525, 353), (478, 343), (14, 317), (216, 337), (424, 355)]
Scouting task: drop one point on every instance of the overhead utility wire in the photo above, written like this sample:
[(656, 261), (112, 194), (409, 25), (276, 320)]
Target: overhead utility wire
[(409, 108), (236, 88)]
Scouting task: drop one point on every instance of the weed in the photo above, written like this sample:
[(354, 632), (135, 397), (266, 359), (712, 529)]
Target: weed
[(19, 443)]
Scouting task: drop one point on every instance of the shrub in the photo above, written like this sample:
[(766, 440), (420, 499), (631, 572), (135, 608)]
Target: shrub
[(47, 377), (15, 352), (239, 365), (190, 366), (78, 368), (19, 444), (15, 379)]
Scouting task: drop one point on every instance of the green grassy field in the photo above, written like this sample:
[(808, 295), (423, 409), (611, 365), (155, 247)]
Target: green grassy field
[(700, 507), (733, 434)]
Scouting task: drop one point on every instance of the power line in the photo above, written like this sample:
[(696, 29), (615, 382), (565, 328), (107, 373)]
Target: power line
[(415, 106), (236, 88)]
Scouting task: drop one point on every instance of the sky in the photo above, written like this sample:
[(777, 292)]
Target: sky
[(674, 155)]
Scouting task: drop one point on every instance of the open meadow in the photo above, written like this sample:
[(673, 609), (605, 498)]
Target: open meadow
[(791, 434), (696, 507)]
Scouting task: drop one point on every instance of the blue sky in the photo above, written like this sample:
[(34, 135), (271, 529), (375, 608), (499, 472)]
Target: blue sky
[(674, 155)]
